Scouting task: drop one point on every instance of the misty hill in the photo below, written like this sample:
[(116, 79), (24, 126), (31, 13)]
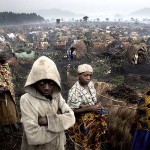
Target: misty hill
[(10, 18), (57, 13), (144, 13)]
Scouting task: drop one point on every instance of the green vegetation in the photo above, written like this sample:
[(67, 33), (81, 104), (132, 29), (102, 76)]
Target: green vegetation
[(7, 18), (117, 80)]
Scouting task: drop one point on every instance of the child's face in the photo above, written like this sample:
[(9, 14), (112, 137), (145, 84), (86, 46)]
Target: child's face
[(45, 87)]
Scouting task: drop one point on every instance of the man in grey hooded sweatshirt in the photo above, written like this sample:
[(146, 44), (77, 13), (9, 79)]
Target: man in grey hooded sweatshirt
[(41, 105)]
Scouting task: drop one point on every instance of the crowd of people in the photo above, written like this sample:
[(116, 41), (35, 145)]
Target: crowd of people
[(45, 114)]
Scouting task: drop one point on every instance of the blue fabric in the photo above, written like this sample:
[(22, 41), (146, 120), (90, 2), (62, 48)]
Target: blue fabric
[(141, 140)]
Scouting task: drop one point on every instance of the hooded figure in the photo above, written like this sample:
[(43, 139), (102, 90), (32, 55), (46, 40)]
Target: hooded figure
[(45, 114)]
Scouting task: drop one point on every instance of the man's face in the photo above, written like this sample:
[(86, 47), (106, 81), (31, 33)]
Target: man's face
[(45, 87), (85, 78)]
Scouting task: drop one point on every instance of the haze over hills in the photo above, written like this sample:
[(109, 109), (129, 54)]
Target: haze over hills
[(145, 13), (58, 13)]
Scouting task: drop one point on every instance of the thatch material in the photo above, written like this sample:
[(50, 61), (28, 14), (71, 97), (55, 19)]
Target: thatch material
[(134, 37), (1, 31), (102, 42), (118, 134), (148, 40), (81, 48), (140, 49), (101, 90), (60, 44), (125, 93), (21, 38), (125, 45), (2, 46), (134, 34), (120, 114), (98, 45), (43, 45)]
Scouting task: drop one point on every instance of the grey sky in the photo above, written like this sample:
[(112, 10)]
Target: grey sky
[(76, 6)]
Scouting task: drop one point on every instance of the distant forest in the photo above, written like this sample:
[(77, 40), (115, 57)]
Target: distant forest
[(8, 18)]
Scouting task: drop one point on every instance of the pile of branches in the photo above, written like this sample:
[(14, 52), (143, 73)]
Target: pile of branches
[(125, 93)]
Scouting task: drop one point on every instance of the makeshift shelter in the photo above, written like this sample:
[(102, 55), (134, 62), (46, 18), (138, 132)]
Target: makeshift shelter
[(5, 45), (11, 36), (102, 42), (2, 39), (60, 44), (42, 45), (134, 37), (80, 48), (2, 31), (137, 53), (148, 41), (25, 55)]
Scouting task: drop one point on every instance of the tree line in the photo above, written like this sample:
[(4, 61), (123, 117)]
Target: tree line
[(8, 18)]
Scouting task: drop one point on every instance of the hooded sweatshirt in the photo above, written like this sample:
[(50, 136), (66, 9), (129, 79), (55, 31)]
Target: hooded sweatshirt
[(33, 104)]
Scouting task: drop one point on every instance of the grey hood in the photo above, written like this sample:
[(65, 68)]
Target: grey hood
[(43, 68)]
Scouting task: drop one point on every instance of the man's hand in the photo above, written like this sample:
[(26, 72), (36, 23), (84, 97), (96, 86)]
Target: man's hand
[(42, 121)]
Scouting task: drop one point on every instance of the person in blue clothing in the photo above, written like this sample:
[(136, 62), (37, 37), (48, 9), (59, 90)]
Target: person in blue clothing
[(73, 52)]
